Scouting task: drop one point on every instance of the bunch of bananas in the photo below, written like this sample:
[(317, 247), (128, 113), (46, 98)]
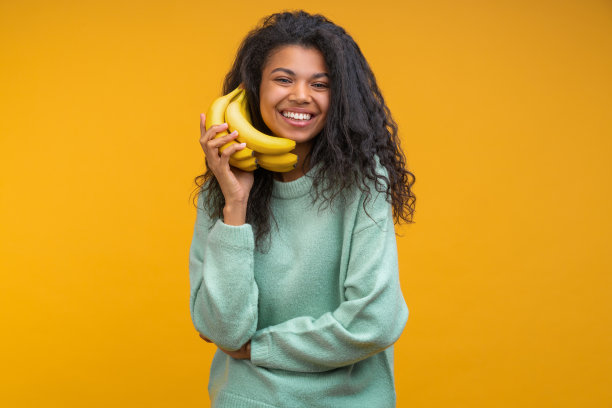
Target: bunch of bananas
[(269, 152)]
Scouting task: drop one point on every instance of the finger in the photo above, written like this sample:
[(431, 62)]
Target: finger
[(210, 133), (231, 150), (202, 124), (220, 141), (211, 147), (234, 354)]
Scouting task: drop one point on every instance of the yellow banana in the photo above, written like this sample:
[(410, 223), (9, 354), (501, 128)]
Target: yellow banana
[(254, 139), (280, 163), (216, 116), (277, 162), (249, 164), (244, 108), (281, 169)]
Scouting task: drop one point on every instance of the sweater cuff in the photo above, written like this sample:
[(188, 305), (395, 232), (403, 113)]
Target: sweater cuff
[(260, 349), (237, 236)]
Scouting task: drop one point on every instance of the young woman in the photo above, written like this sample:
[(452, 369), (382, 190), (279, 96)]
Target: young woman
[(294, 276)]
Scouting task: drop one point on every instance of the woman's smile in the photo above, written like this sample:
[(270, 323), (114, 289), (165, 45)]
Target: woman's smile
[(298, 117)]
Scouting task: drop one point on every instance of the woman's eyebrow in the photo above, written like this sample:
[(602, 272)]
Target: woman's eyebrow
[(290, 72)]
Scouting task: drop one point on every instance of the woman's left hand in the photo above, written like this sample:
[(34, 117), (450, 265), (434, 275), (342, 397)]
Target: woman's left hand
[(244, 353)]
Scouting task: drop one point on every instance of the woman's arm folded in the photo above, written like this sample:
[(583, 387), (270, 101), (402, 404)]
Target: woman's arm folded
[(370, 319)]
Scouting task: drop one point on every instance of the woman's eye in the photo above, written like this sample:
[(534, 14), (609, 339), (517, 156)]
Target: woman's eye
[(320, 85), (283, 80)]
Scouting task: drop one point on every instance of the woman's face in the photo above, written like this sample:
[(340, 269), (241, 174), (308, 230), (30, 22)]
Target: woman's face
[(294, 93)]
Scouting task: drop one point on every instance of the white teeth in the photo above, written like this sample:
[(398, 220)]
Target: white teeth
[(297, 116)]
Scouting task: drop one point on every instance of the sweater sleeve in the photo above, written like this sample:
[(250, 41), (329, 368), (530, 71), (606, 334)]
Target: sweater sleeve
[(223, 292), (370, 318)]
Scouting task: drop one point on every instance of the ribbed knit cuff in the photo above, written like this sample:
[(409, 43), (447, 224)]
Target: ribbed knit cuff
[(296, 188), (260, 349), (238, 236)]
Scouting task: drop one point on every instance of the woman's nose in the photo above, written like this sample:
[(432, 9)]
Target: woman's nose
[(300, 93)]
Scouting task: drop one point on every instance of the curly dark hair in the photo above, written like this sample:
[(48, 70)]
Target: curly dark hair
[(359, 126)]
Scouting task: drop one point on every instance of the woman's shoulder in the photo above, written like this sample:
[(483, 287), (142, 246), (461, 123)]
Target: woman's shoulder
[(368, 201), (374, 182)]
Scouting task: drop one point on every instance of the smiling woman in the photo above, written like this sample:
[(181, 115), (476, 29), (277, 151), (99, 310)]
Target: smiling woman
[(304, 313)]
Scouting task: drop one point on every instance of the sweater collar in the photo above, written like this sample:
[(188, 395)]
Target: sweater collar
[(295, 188)]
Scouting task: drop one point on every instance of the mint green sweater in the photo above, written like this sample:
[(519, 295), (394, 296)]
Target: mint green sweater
[(322, 307)]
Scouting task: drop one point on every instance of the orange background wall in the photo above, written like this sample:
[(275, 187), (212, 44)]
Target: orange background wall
[(505, 111)]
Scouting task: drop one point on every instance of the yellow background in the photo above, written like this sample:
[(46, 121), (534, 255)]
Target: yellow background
[(504, 110)]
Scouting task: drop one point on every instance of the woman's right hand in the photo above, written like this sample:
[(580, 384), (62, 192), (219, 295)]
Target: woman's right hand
[(235, 184)]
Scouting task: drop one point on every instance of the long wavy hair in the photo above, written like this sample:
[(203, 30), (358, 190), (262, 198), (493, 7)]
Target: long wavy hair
[(359, 126)]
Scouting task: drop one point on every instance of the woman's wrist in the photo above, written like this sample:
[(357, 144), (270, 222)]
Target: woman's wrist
[(234, 214)]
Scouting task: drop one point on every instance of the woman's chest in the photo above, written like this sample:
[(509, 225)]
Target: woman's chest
[(300, 273)]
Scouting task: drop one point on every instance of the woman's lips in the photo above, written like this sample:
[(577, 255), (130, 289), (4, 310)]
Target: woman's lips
[(297, 122)]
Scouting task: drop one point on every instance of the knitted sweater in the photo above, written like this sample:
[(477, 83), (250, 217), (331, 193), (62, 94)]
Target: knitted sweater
[(322, 306)]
